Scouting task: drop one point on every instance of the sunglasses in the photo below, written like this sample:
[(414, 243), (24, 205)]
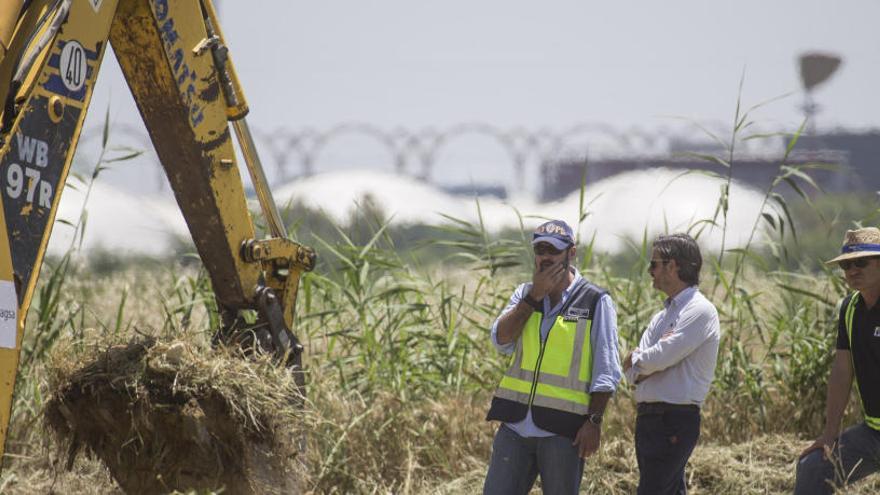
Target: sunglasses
[(858, 263), (653, 263), (543, 249)]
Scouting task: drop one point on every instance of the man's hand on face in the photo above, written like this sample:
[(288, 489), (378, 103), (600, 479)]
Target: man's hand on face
[(587, 439), (546, 278)]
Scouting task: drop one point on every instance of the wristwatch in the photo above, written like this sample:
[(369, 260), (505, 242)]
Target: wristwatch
[(594, 418), (528, 299)]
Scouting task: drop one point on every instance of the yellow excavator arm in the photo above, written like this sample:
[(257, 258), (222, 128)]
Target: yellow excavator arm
[(178, 68)]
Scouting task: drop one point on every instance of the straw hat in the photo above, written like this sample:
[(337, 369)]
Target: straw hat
[(859, 243)]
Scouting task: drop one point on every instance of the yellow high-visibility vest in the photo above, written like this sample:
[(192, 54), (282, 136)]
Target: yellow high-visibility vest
[(554, 373), (552, 377)]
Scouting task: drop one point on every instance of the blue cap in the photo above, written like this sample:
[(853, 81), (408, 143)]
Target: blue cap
[(555, 232)]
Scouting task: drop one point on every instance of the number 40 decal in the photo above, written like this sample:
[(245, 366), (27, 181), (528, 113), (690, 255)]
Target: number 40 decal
[(73, 65)]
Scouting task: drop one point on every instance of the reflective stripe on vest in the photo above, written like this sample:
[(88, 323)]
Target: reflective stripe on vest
[(872, 421), (555, 373)]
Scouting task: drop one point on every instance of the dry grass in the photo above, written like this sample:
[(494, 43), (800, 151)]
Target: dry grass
[(441, 446), (399, 384)]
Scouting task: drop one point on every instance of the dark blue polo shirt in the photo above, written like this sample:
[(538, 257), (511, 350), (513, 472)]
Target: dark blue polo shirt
[(865, 350)]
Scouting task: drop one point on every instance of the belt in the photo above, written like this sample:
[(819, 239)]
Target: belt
[(661, 407)]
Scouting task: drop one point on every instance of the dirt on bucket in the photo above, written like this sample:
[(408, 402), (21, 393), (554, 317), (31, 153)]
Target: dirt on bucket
[(168, 416)]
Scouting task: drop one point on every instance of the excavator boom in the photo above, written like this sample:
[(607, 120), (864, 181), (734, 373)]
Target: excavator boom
[(178, 68)]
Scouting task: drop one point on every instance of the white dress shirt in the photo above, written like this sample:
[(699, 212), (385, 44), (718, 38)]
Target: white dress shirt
[(676, 356)]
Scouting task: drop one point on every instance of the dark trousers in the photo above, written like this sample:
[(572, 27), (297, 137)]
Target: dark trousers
[(857, 455), (666, 435)]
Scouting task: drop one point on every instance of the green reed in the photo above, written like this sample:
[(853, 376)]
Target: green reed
[(398, 354)]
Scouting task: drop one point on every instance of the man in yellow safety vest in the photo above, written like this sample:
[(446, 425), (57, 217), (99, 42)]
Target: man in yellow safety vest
[(561, 333)]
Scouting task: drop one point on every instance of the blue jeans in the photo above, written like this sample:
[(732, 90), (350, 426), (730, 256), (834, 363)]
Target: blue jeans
[(665, 440), (857, 457), (516, 462)]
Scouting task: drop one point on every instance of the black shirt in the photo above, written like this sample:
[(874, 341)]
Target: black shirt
[(865, 350)]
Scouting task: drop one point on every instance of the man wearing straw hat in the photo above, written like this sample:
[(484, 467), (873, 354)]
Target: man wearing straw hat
[(835, 458), (561, 333)]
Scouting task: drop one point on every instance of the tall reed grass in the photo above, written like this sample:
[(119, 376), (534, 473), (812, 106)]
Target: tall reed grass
[(400, 367)]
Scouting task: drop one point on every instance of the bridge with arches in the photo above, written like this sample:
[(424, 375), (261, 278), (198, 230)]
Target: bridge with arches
[(290, 153)]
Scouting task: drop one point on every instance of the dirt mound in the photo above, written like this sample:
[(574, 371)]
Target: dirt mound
[(168, 416)]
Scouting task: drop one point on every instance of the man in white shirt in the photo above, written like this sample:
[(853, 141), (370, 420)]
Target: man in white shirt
[(672, 367)]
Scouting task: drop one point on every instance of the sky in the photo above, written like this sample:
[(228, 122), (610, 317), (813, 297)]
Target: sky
[(552, 64)]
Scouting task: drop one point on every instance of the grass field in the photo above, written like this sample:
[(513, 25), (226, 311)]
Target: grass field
[(401, 368)]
